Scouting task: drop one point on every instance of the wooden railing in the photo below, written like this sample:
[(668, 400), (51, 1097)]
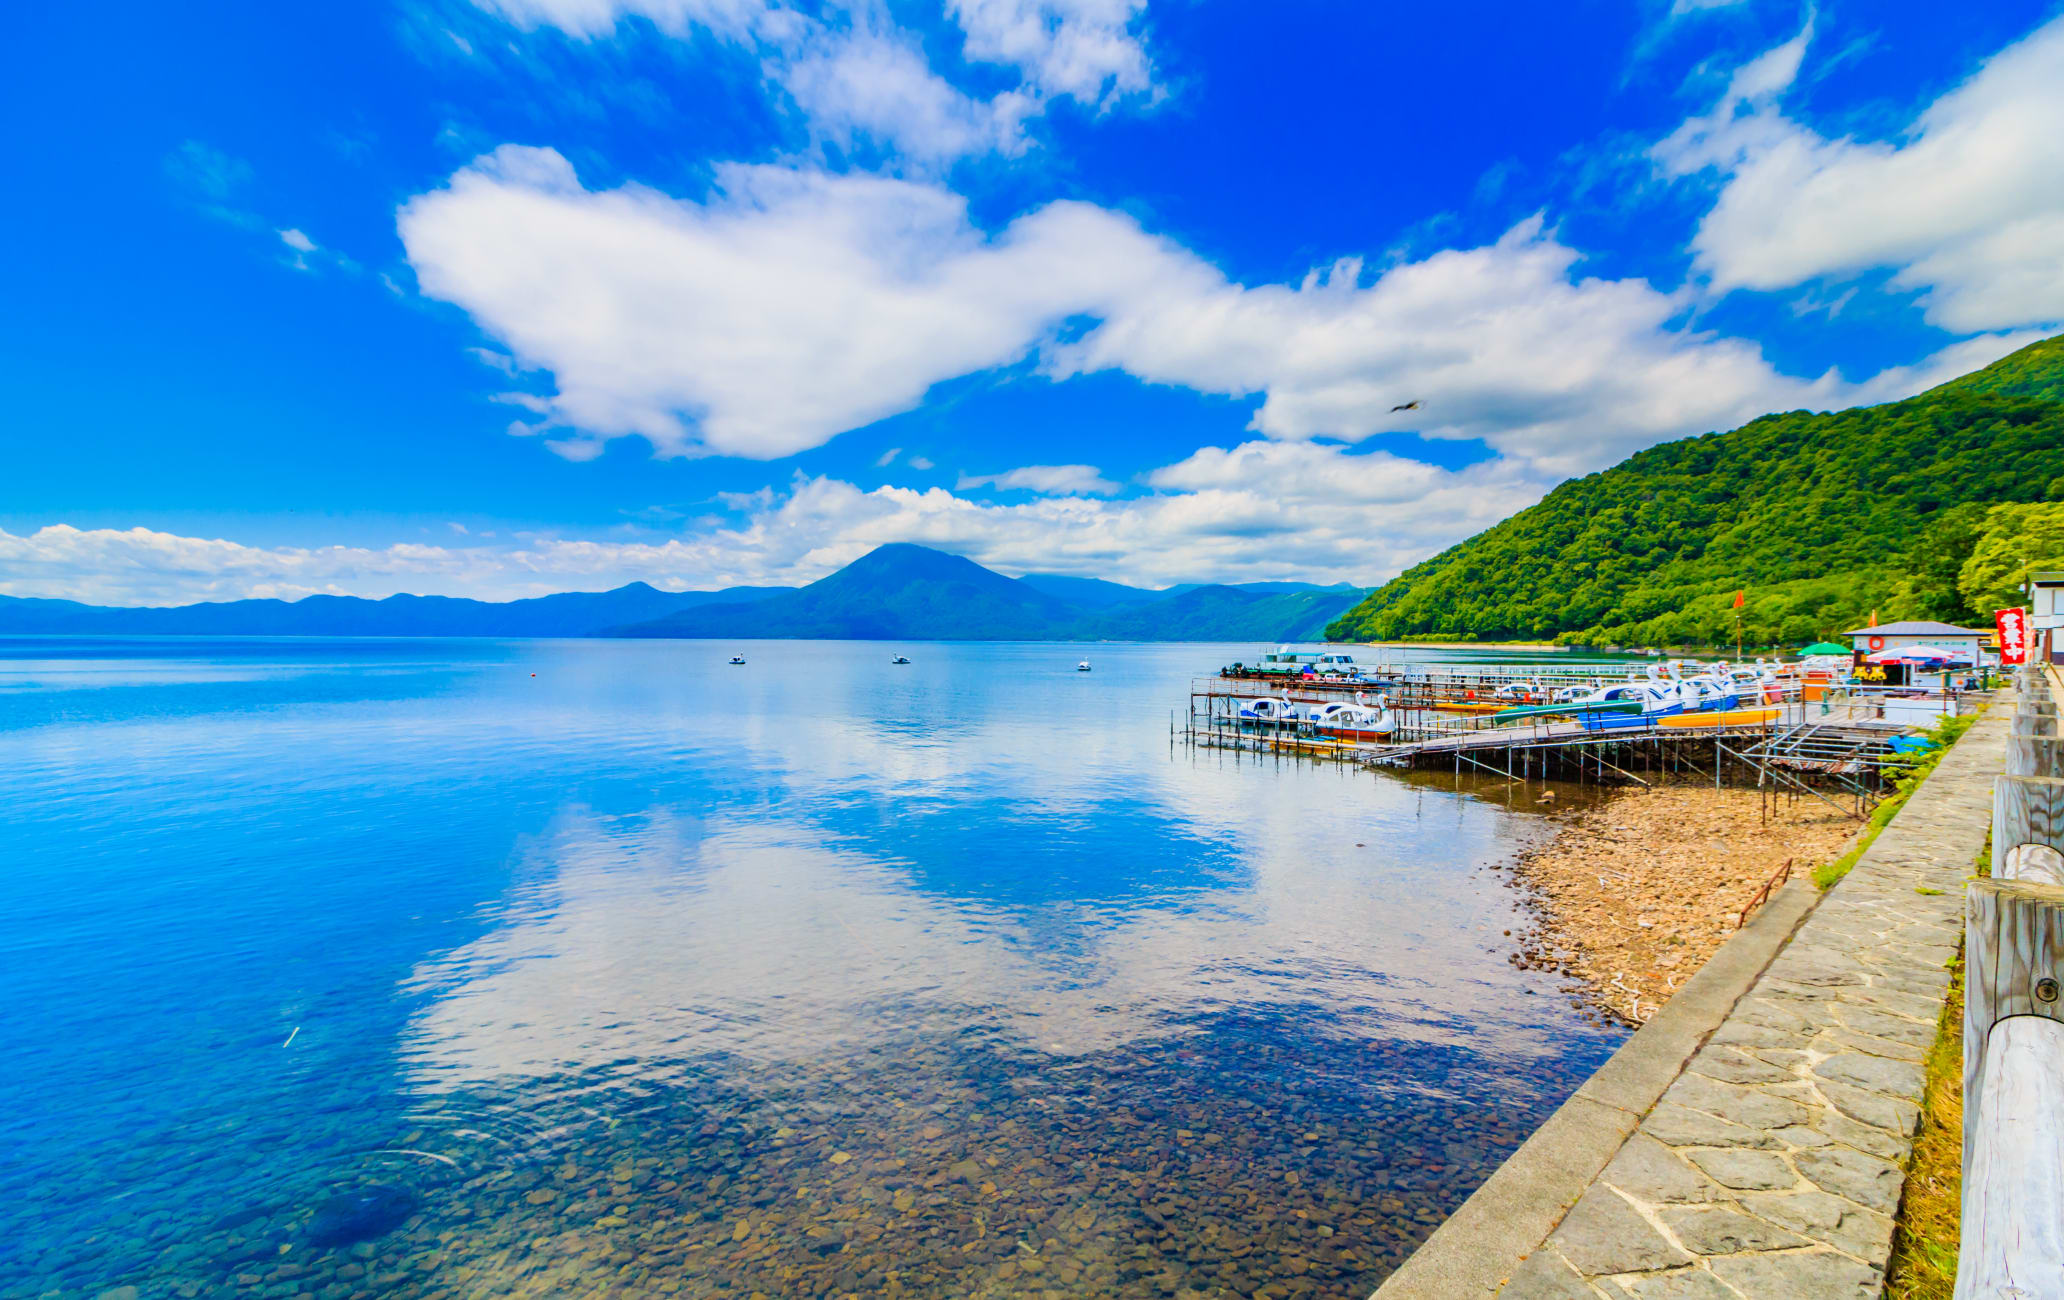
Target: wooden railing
[(2013, 1207)]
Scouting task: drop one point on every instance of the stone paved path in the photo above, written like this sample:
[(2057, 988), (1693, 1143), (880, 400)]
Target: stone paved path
[(1771, 1168)]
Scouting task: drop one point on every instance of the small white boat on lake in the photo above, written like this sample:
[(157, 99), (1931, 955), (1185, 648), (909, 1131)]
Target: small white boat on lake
[(1357, 721), (737, 659), (1082, 667), (1269, 710)]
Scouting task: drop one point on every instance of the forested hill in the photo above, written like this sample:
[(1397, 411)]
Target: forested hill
[(1929, 507)]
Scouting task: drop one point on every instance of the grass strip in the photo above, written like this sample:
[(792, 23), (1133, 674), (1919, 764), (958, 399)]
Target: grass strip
[(1926, 1233), (1924, 1239), (1906, 778)]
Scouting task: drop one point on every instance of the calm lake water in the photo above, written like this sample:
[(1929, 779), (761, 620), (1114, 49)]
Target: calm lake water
[(414, 969)]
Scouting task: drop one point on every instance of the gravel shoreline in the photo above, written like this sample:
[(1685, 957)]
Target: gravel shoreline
[(1633, 895)]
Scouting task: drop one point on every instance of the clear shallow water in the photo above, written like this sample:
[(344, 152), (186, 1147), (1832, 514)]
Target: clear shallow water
[(567, 968)]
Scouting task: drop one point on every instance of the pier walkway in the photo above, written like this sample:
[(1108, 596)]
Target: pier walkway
[(1751, 1140)]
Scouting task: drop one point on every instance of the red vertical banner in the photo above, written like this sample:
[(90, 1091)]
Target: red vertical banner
[(2013, 635)]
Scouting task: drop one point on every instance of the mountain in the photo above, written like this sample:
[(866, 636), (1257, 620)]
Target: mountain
[(1089, 593), (2035, 371), (910, 593), (1267, 588), (575, 613), (897, 592), (1097, 593), (1218, 613), (1820, 518)]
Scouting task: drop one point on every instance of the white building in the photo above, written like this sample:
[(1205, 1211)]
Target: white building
[(1894, 636)]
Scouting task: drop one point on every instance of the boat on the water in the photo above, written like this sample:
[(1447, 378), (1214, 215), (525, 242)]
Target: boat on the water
[(1082, 667), (900, 659), (1572, 709), (1284, 661), (1269, 710), (737, 659), (1357, 721), (1653, 697), (1720, 718)]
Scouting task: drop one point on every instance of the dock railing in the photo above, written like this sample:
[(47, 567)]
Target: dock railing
[(2012, 1242)]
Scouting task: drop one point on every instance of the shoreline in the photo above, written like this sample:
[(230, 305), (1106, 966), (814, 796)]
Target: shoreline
[(1633, 895)]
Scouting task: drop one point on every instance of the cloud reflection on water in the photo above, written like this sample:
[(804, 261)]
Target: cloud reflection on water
[(661, 942)]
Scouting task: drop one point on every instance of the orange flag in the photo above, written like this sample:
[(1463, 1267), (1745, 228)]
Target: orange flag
[(1740, 599)]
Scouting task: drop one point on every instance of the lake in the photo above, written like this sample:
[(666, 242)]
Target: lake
[(450, 968)]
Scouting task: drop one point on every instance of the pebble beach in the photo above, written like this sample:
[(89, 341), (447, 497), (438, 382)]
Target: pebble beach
[(1632, 895)]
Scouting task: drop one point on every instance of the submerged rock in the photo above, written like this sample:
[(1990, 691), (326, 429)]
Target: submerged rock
[(361, 1215)]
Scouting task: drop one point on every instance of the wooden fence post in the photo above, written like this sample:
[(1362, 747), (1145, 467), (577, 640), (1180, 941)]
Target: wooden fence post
[(2035, 724), (2025, 810), (2013, 1200), (2031, 755)]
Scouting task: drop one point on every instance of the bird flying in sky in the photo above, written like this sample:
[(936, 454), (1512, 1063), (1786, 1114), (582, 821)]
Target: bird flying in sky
[(1407, 406)]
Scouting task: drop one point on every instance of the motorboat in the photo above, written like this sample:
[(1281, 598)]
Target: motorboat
[(1082, 667), (900, 659), (737, 659)]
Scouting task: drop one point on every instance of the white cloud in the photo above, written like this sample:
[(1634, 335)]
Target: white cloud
[(141, 566), (219, 186), (1966, 205), (920, 462), (857, 75), (1051, 480), (1261, 510), (866, 85), (887, 458), (1087, 49), (1507, 343), (304, 254), (792, 305), (588, 19)]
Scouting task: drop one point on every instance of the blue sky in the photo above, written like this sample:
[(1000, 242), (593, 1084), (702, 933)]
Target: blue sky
[(494, 297)]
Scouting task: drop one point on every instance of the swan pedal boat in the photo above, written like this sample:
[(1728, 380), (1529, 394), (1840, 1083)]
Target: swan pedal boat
[(1572, 709)]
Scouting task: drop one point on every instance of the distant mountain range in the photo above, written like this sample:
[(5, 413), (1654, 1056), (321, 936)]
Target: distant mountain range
[(897, 592)]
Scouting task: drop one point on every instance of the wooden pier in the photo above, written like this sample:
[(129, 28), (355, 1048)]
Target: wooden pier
[(1832, 750)]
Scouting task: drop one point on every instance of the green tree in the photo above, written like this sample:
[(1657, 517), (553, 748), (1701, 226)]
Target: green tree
[(2017, 539), (1819, 517), (1935, 563)]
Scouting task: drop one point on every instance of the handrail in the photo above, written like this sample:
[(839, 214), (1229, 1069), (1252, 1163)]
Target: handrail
[(1761, 896), (2013, 1207)]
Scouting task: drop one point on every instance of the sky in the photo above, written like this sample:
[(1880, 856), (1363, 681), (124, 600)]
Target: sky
[(502, 297)]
